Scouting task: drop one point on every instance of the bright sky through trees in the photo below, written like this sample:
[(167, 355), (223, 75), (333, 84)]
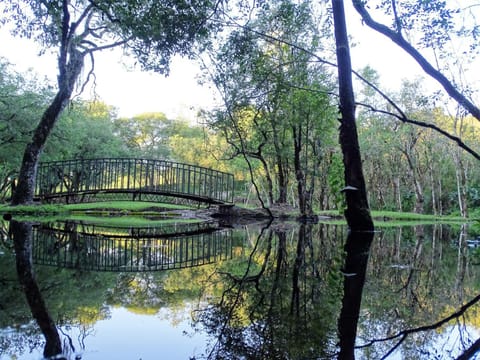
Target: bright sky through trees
[(120, 84), (116, 82)]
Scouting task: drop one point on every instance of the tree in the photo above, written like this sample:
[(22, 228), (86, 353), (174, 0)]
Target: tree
[(147, 135), (22, 97), (277, 112), (357, 212), (152, 31)]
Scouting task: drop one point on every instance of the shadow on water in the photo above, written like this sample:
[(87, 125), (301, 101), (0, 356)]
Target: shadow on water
[(282, 291)]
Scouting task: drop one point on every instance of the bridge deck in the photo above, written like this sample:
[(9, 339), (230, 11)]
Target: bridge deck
[(73, 179)]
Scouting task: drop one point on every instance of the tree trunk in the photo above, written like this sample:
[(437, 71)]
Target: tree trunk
[(461, 178), (69, 72), (304, 194), (281, 167), (417, 186), (397, 193), (357, 212), (460, 170)]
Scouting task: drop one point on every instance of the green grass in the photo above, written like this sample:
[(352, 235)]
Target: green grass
[(136, 210), (125, 205), (101, 207), (112, 213), (40, 210), (393, 218), (392, 215)]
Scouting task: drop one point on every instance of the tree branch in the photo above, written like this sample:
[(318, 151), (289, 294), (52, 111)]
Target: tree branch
[(419, 58), (405, 119), (403, 334)]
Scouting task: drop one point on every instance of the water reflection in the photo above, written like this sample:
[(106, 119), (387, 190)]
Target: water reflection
[(277, 292), (357, 250), (22, 239), (284, 303), (101, 248)]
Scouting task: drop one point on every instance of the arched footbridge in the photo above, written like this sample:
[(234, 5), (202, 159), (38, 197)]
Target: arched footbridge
[(140, 179)]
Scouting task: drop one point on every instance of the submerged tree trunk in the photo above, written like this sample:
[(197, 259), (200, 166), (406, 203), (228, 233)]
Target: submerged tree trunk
[(357, 212)]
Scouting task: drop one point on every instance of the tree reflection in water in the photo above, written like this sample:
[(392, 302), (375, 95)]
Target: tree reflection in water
[(357, 251), (297, 284), (22, 234), (282, 303), (288, 292)]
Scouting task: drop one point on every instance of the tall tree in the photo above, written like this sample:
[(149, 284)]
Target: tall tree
[(357, 212), (152, 31), (277, 111), (148, 134), (85, 130)]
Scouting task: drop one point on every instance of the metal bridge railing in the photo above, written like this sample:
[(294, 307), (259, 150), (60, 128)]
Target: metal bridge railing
[(129, 253), (71, 177)]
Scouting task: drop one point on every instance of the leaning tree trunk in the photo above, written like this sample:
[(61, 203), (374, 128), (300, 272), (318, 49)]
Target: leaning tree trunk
[(357, 212), (70, 66)]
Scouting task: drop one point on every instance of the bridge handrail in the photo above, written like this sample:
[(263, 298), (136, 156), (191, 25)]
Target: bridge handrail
[(76, 176)]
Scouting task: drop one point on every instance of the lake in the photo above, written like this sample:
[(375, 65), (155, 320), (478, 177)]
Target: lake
[(258, 291)]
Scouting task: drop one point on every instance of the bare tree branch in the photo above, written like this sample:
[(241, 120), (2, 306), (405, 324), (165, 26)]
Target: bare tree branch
[(405, 119), (472, 350)]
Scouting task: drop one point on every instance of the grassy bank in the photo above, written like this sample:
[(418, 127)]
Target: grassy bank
[(142, 209), (392, 218), (127, 207)]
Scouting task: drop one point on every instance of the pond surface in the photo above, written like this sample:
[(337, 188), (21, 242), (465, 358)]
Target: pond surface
[(278, 291)]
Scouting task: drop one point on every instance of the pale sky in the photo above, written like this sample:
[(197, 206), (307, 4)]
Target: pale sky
[(179, 95), (131, 92)]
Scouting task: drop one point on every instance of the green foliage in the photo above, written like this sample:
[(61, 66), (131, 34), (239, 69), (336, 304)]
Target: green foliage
[(147, 135), (433, 19), (336, 182), (277, 114), (151, 31), (22, 98), (85, 131)]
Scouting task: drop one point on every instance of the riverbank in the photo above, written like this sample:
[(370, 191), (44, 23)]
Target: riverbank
[(231, 213)]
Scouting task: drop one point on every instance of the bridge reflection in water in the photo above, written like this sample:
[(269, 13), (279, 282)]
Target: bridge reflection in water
[(82, 179), (90, 247)]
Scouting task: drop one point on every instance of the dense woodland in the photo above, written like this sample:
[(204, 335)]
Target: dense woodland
[(277, 129), (407, 168)]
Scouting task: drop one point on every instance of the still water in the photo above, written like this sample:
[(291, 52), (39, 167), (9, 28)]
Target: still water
[(262, 291)]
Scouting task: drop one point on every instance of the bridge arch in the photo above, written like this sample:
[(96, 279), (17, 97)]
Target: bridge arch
[(75, 180)]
